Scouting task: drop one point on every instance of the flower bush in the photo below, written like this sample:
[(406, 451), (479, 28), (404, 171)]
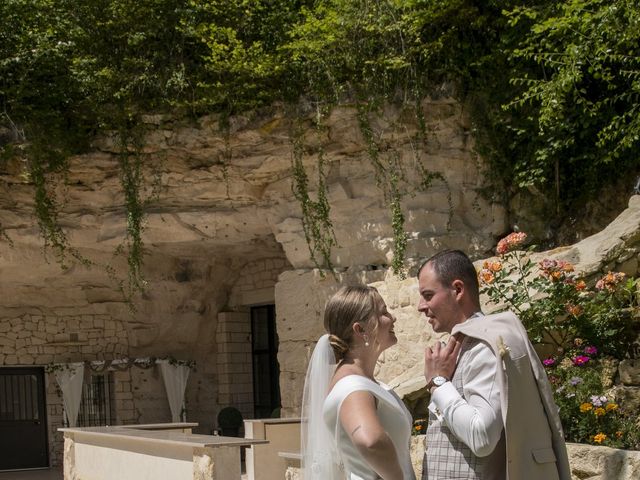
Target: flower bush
[(581, 379), (419, 426), (583, 327)]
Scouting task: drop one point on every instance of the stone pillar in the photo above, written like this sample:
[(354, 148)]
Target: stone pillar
[(69, 457)]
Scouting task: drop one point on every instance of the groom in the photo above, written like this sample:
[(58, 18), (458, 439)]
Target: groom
[(492, 414)]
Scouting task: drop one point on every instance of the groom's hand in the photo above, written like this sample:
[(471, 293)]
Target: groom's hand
[(441, 359)]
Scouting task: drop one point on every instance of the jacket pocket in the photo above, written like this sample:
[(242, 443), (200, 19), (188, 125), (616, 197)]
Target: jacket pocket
[(543, 455)]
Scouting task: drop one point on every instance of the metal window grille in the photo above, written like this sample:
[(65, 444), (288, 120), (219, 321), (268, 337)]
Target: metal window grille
[(97, 406), (18, 397)]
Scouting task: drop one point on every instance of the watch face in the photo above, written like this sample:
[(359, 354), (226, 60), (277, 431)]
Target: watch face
[(439, 380)]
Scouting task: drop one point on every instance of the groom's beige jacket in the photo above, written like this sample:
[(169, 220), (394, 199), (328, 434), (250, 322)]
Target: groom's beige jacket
[(535, 446)]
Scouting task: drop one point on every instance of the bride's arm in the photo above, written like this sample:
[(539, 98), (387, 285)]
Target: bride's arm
[(359, 418)]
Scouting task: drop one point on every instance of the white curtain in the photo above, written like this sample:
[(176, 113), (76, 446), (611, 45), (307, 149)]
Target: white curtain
[(175, 381), (69, 378)]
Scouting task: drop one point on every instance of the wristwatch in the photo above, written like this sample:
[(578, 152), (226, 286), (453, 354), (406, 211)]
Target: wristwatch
[(437, 381)]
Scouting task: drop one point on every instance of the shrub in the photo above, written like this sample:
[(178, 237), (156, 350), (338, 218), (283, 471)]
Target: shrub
[(584, 327)]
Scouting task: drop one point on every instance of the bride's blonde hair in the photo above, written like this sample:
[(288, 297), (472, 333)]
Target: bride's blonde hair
[(350, 305)]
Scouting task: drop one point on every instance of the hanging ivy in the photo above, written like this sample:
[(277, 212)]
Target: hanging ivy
[(316, 223)]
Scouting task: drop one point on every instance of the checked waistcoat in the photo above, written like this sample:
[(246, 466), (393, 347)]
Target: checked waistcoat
[(448, 458)]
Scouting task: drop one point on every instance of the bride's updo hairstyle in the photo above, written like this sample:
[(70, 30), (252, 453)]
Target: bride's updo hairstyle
[(357, 304)]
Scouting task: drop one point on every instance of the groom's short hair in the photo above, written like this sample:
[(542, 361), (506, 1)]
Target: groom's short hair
[(450, 265)]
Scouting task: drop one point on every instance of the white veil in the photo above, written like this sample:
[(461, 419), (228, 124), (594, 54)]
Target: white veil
[(319, 456)]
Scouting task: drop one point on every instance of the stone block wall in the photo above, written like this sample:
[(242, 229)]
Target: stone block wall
[(38, 340), (41, 339), (256, 282)]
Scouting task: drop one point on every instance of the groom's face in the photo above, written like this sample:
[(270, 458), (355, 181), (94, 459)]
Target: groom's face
[(437, 301)]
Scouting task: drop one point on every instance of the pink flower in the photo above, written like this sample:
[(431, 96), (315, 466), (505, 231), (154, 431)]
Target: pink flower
[(580, 360), (591, 350), (549, 362), (510, 242)]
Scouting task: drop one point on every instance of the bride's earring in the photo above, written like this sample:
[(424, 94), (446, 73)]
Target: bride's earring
[(366, 340)]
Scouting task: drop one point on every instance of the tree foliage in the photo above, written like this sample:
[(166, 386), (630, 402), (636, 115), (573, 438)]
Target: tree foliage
[(552, 87)]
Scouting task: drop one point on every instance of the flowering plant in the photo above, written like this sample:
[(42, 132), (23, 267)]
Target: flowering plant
[(588, 409), (580, 326), (419, 426), (556, 305)]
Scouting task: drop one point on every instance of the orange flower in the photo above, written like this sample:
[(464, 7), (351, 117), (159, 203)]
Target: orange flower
[(599, 438), (574, 310), (619, 434), (580, 285), (567, 267), (598, 412), (585, 407), (557, 275), (609, 281), (495, 266), (486, 276), (611, 406)]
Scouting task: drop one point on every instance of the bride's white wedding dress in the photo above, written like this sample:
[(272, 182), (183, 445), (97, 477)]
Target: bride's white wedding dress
[(393, 415)]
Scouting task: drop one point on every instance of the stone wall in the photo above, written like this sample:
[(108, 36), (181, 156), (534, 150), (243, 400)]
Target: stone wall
[(256, 283), (31, 339)]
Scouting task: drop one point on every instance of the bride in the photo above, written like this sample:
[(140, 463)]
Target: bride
[(353, 426)]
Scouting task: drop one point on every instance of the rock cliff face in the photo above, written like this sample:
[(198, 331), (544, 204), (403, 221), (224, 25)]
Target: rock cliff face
[(224, 204), (224, 226), (224, 234)]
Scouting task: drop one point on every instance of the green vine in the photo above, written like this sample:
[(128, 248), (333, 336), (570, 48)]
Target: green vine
[(131, 162), (391, 178), (316, 224)]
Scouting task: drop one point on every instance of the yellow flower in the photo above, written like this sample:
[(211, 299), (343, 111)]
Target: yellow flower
[(598, 412), (599, 438), (612, 406), (619, 434), (585, 407)]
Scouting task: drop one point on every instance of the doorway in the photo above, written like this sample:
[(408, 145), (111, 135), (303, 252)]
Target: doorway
[(266, 370), (23, 422)]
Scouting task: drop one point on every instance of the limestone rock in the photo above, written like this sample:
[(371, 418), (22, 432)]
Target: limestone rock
[(629, 371)]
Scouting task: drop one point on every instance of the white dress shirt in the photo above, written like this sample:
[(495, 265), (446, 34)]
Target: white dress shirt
[(476, 418)]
